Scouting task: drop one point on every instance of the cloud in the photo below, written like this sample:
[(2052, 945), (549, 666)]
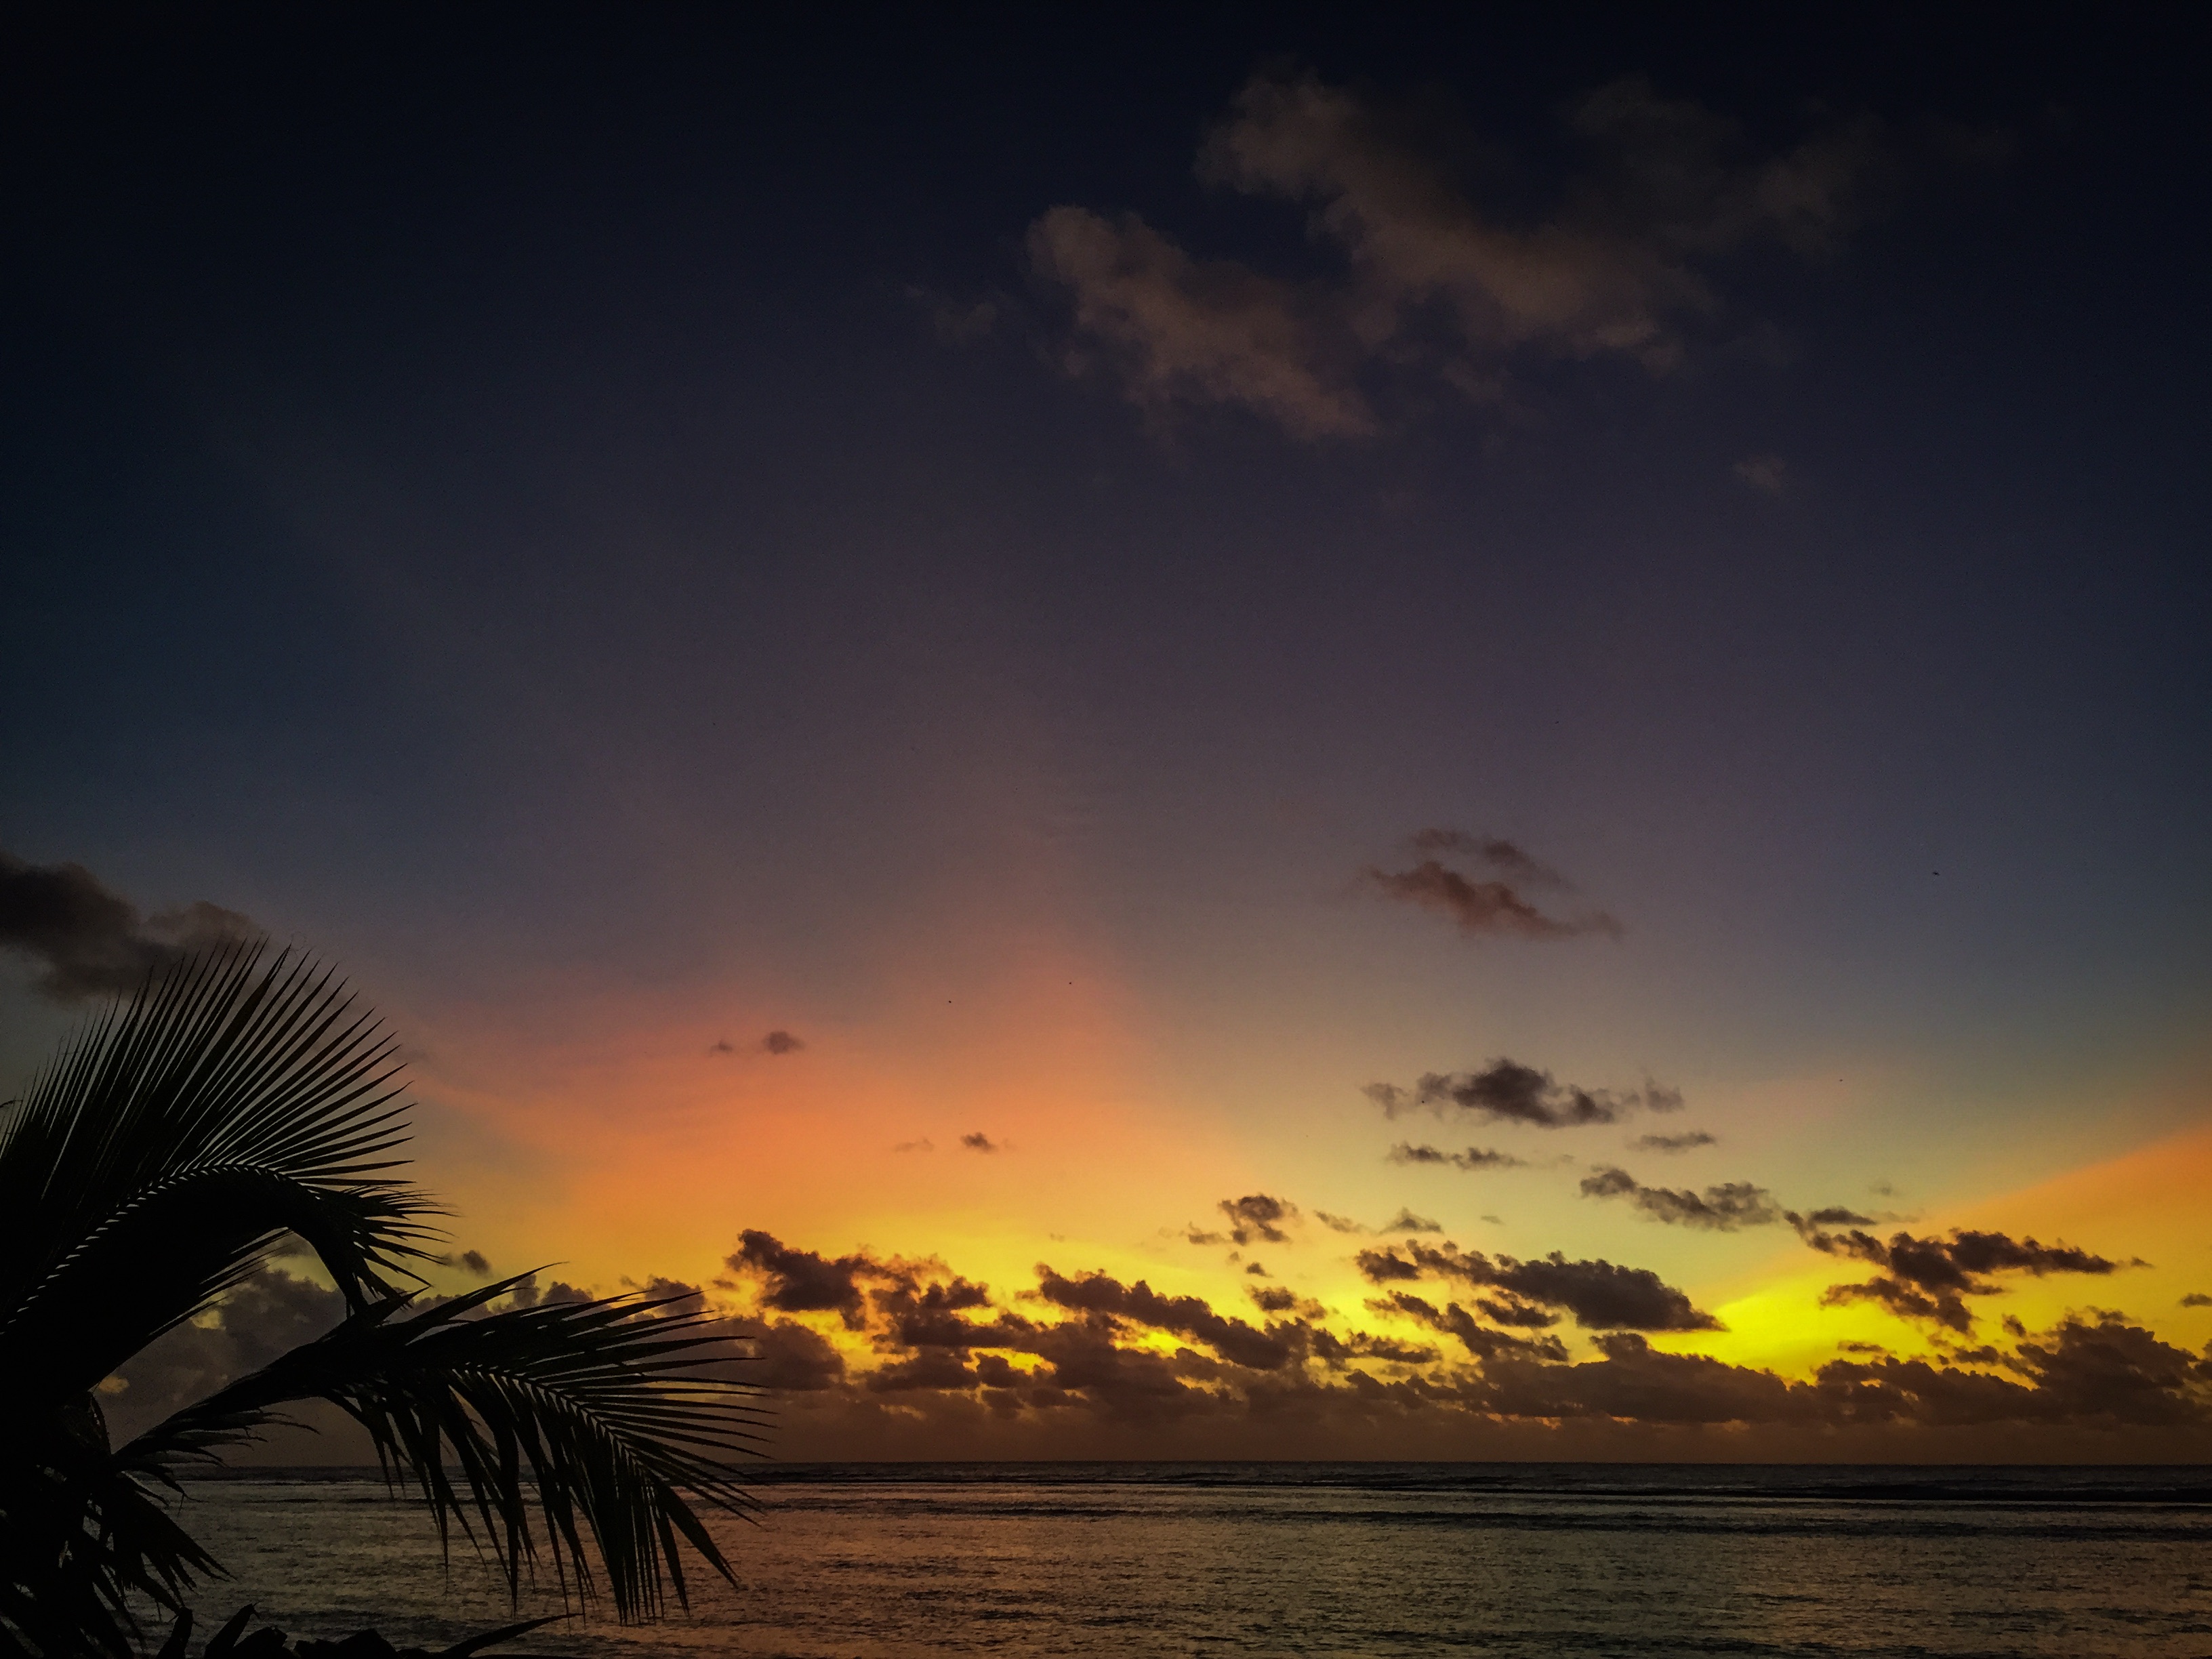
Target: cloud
[(780, 1043), (1928, 1279), (1184, 1316), (1336, 1351), (1501, 855), (1431, 282), (1480, 1340), (721, 1046), (1687, 1141), (790, 1358), (1178, 330), (476, 1263), (924, 1144), (2106, 1372), (90, 941), (526, 1293), (268, 1315), (1506, 1090), (980, 1142), (1768, 474), (1475, 1157), (1600, 1295), (1406, 1222), (1280, 1298), (1257, 1216), (799, 1281), (2197, 1299), (1092, 1348), (1634, 1380), (1482, 906), (1723, 1208)]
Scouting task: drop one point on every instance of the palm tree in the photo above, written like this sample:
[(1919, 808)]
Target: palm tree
[(168, 1150)]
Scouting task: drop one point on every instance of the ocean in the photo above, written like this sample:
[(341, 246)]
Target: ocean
[(1520, 1561)]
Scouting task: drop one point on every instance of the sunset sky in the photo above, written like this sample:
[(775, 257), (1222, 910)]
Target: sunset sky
[(1229, 678)]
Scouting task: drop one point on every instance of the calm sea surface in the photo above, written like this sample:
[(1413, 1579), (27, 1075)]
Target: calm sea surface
[(1506, 1560)]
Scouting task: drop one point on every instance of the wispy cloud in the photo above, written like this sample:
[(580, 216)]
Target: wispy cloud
[(1483, 898), (1723, 1208), (1475, 1157), (1928, 1279), (1688, 1140), (1768, 474), (1432, 281), (1601, 1294), (1507, 1091)]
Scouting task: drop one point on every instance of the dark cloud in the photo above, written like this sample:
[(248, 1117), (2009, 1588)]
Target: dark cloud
[(1634, 1380), (1339, 1224), (1928, 1279), (935, 1368), (924, 1144), (1600, 1295), (1278, 1298), (979, 1142), (1480, 1340), (2197, 1299), (1507, 1091), (930, 1339), (780, 1043), (675, 1296), (1257, 1216), (268, 1315), (1336, 1353), (792, 1359), (1723, 1208), (923, 1305), (1406, 1222), (1184, 1316), (1475, 1157), (527, 1293), (477, 1262), (721, 1046), (799, 1281), (1433, 283), (2103, 1371), (90, 941), (1480, 905), (1504, 856), (1689, 1140)]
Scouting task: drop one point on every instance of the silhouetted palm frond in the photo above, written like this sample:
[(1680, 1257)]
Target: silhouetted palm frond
[(597, 1415), (172, 1143), (153, 1168)]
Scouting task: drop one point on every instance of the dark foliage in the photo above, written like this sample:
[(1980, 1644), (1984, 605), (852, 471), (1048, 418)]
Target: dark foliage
[(168, 1151)]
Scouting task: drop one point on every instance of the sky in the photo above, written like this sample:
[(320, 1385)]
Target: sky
[(1288, 735)]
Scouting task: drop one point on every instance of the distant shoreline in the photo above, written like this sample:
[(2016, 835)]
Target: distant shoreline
[(2185, 1485)]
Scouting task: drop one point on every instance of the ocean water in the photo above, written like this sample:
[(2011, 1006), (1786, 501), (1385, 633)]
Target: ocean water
[(1518, 1560)]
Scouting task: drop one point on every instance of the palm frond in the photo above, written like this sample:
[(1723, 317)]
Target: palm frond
[(598, 1416), (170, 1145), (81, 1540)]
